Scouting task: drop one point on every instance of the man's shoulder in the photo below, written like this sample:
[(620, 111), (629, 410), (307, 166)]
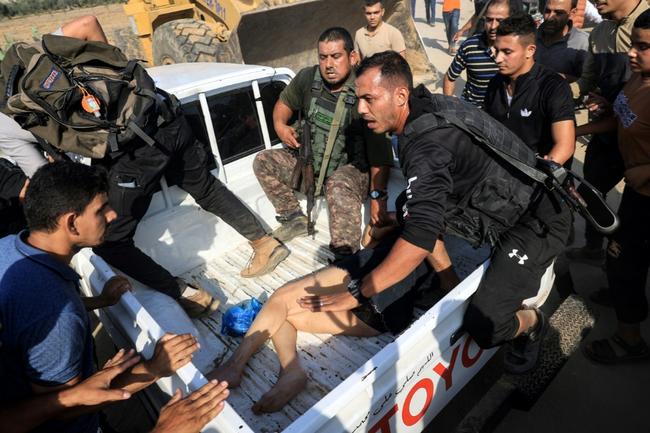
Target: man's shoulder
[(359, 33), (603, 29), (390, 28), (474, 42), (578, 38)]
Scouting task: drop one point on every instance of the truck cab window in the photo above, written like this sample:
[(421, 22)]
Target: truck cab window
[(235, 122), (270, 92)]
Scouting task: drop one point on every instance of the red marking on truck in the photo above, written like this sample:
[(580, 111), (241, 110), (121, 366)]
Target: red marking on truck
[(427, 385)]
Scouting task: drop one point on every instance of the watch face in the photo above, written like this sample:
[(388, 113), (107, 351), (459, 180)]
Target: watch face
[(374, 194)]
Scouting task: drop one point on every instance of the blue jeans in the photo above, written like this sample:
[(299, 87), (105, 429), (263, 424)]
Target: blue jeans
[(451, 24), (413, 8), (430, 8)]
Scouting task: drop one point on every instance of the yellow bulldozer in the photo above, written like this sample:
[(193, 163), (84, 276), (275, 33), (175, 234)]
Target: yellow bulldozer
[(264, 32)]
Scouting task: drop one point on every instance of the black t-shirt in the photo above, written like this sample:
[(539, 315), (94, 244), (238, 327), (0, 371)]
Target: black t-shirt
[(541, 98)]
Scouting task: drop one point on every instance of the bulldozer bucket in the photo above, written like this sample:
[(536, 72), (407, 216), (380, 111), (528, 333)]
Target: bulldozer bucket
[(287, 35)]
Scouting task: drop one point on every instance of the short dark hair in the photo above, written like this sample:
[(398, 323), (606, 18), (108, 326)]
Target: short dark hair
[(518, 25), (392, 66), (338, 34), (514, 6), (373, 2), (643, 21), (59, 188)]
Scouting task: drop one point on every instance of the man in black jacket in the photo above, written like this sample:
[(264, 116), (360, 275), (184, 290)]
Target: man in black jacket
[(13, 184), (456, 185), (532, 101)]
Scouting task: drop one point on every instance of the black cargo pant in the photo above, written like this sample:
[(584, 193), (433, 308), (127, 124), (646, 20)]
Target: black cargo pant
[(603, 169), (134, 177), (628, 258), (518, 262)]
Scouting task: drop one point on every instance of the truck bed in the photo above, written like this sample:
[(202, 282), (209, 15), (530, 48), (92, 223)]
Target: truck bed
[(328, 360)]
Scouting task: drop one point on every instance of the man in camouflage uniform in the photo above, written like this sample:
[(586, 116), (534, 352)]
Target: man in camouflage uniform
[(316, 92)]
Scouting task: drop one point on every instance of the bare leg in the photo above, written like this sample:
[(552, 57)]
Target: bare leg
[(282, 304), (86, 28), (527, 320), (292, 377), (280, 318)]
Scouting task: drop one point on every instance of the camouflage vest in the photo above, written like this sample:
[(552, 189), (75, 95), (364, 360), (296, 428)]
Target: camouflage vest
[(320, 115)]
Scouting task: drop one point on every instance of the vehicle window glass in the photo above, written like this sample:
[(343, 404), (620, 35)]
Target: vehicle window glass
[(236, 127), (194, 116), (270, 92)]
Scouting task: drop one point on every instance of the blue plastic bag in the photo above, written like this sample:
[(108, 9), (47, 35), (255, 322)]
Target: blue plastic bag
[(238, 318)]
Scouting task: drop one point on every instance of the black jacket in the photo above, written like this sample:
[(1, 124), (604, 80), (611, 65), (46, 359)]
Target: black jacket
[(453, 182), (12, 180), (542, 97)]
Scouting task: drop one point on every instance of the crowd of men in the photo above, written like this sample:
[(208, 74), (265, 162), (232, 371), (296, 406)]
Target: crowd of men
[(530, 78)]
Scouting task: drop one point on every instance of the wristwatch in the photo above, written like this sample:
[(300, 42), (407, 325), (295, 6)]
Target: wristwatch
[(378, 194), (355, 290)]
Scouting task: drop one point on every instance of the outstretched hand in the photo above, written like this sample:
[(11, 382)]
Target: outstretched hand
[(192, 413), (343, 301), (114, 289), (172, 352), (96, 389)]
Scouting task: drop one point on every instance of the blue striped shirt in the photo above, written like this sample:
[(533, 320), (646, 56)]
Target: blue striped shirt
[(476, 56)]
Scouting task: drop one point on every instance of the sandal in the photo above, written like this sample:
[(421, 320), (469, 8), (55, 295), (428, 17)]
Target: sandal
[(604, 352)]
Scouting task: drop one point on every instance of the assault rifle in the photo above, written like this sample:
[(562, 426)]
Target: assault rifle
[(302, 178), (579, 195)]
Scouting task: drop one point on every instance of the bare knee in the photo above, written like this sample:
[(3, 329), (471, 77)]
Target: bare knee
[(86, 27)]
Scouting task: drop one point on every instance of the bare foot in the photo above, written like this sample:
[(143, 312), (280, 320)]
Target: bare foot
[(289, 384), (228, 372)]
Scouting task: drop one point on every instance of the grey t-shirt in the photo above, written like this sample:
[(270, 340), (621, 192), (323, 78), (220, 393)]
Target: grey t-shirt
[(565, 56)]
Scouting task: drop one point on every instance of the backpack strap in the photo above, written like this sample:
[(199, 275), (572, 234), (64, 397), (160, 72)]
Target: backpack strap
[(531, 172)]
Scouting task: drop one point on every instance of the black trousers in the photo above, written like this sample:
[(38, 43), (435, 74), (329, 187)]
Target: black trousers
[(518, 262), (603, 169), (134, 177), (628, 258)]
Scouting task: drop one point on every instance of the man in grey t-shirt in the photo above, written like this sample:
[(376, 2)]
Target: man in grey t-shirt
[(560, 46)]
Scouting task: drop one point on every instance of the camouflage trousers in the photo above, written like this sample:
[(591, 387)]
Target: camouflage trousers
[(345, 191)]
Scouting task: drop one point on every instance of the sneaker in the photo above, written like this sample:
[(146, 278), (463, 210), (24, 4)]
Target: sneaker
[(196, 301), (291, 228), (586, 254), (522, 353), (267, 254)]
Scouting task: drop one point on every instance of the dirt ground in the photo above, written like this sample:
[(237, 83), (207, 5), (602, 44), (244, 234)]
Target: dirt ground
[(112, 17)]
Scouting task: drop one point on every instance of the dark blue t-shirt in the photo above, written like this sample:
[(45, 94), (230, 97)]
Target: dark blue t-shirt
[(46, 338)]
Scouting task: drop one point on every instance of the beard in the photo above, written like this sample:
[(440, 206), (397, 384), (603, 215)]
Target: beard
[(554, 26)]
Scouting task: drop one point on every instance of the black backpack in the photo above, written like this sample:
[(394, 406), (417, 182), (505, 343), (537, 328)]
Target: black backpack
[(80, 96)]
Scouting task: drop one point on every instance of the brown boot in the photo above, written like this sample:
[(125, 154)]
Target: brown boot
[(196, 304), (267, 254)]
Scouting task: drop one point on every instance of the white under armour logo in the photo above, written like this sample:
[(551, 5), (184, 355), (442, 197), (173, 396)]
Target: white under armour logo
[(525, 112), (522, 259)]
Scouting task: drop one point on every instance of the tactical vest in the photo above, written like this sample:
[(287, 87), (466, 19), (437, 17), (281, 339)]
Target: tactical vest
[(497, 202), (320, 115)]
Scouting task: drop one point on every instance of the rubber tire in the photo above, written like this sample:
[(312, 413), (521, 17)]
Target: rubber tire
[(189, 40)]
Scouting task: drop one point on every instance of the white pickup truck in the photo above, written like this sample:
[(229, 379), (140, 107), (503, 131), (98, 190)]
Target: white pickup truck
[(382, 384)]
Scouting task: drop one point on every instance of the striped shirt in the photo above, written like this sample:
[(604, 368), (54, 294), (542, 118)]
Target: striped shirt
[(476, 56)]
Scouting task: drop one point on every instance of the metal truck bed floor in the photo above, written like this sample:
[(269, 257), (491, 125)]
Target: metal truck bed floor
[(328, 360)]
